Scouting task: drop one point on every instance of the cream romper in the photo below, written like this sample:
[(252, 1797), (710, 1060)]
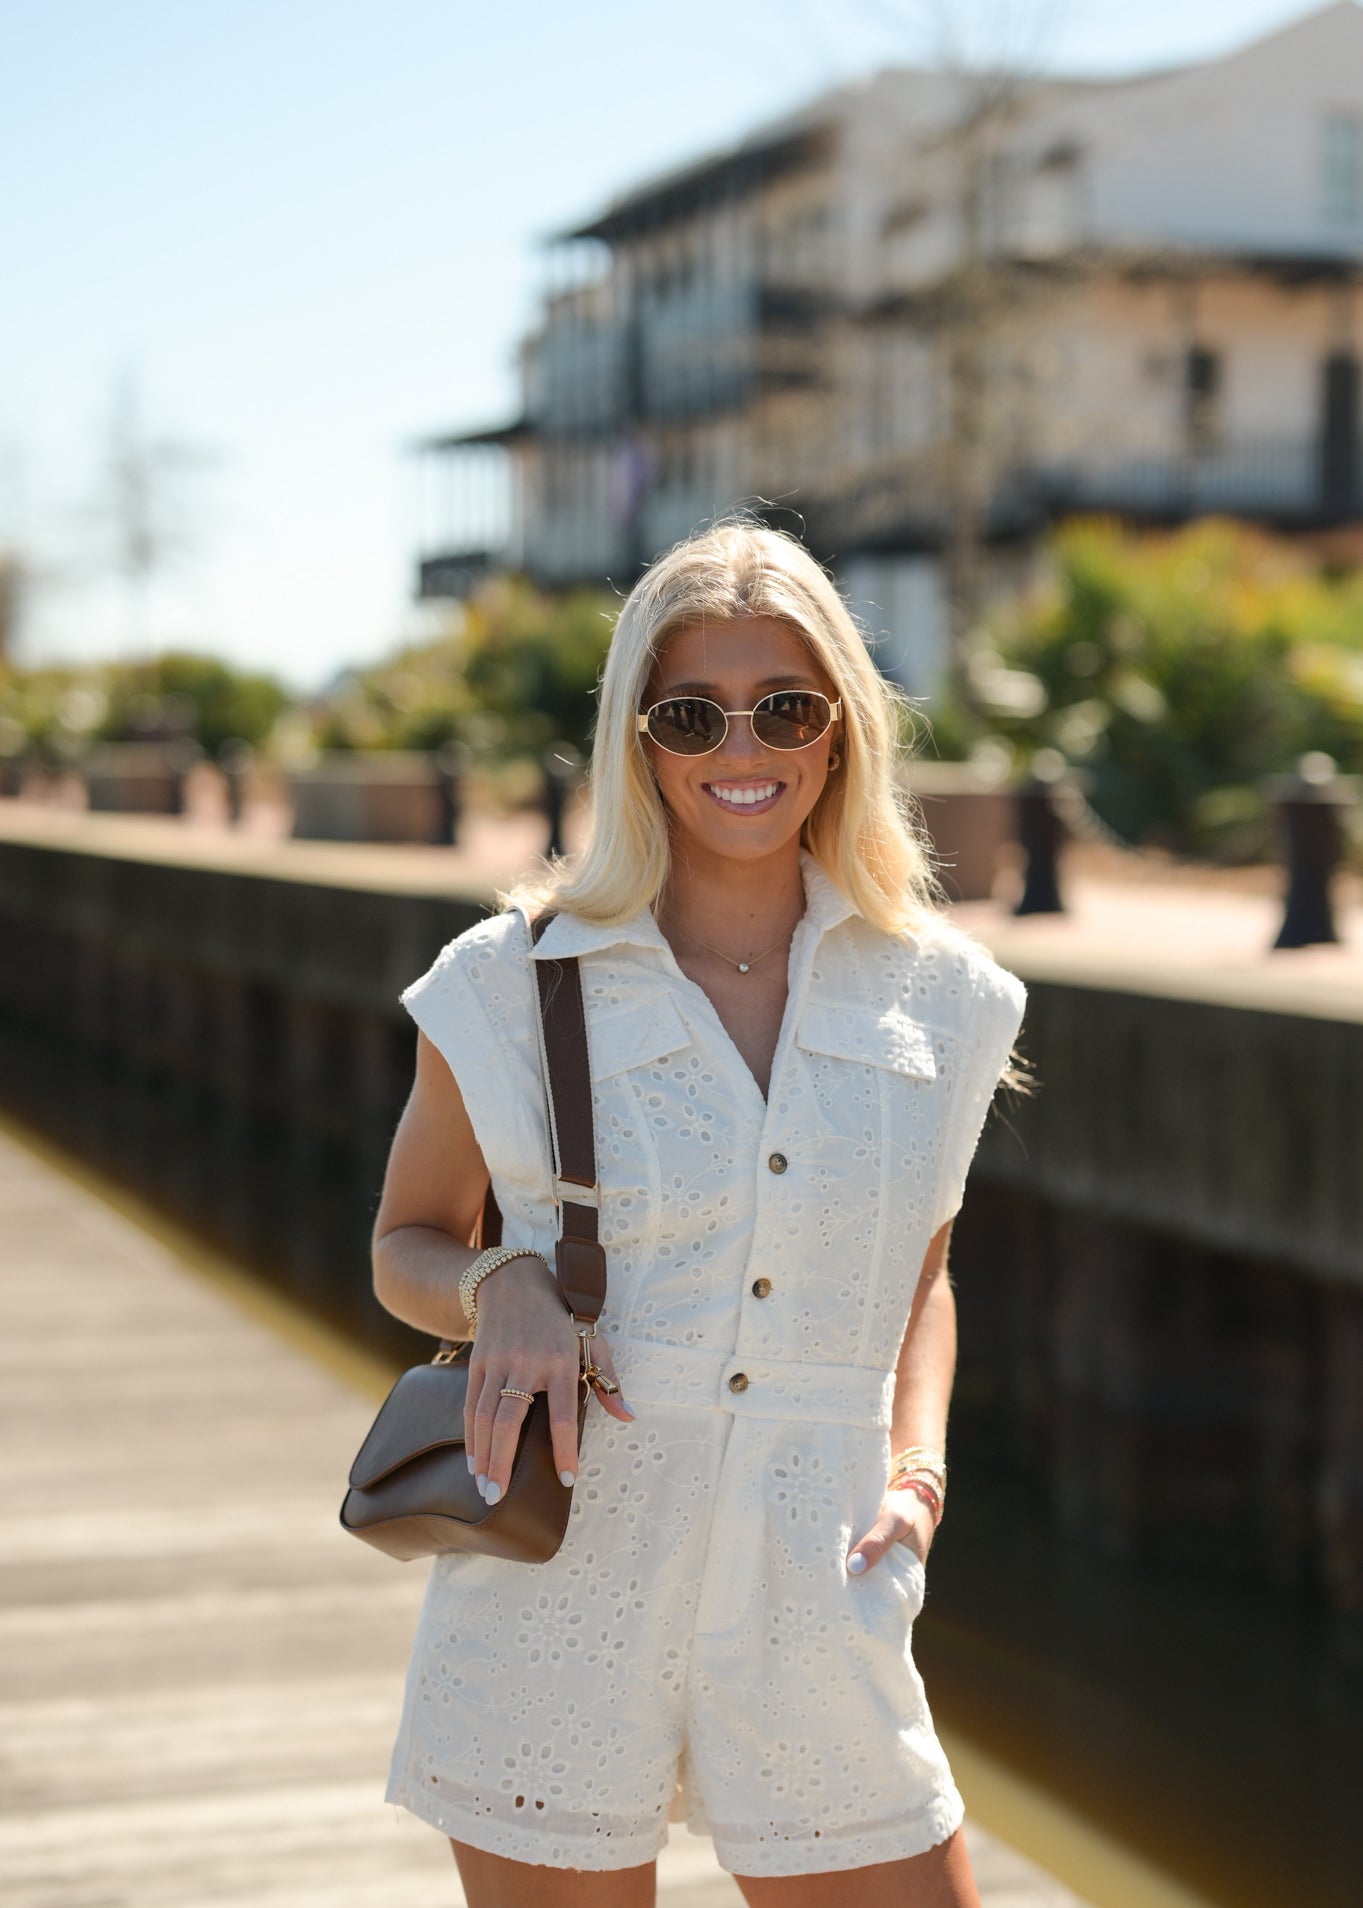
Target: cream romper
[(697, 1648)]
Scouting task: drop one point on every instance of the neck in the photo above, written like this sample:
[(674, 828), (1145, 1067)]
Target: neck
[(738, 906)]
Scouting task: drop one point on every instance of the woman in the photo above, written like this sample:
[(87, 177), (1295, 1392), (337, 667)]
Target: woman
[(792, 1057)]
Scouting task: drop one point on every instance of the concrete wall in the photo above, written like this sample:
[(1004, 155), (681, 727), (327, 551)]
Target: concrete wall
[(1160, 1261)]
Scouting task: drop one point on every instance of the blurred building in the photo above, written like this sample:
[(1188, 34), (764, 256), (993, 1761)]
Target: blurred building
[(931, 313)]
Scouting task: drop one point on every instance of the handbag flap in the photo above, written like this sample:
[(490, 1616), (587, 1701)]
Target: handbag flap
[(423, 1411)]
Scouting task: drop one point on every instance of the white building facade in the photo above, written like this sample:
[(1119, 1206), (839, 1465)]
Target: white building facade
[(913, 304)]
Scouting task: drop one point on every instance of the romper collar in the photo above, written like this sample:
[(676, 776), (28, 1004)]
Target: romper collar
[(567, 935)]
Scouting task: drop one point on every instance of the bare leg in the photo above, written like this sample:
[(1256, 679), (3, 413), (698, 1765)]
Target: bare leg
[(941, 1878), (495, 1881)]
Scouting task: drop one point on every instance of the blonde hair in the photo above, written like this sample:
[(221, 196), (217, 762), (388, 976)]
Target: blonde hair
[(863, 831)]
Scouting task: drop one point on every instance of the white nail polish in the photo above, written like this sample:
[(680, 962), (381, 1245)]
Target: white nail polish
[(856, 1564), (567, 1479), (493, 1492), (482, 1485), (473, 1463)]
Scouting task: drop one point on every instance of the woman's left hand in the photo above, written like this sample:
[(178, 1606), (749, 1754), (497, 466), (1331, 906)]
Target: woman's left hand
[(903, 1519)]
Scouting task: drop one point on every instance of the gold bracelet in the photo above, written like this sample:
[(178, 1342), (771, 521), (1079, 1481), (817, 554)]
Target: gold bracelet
[(486, 1262), (919, 1458), (924, 1472)]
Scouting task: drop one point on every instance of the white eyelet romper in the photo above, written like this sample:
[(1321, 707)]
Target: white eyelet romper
[(697, 1648)]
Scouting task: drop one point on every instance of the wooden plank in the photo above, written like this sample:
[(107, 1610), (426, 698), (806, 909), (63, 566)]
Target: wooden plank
[(202, 1676)]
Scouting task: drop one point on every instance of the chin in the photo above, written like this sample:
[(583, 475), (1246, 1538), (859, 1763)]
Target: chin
[(745, 842)]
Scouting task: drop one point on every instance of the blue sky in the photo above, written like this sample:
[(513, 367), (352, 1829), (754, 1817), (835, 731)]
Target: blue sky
[(305, 233)]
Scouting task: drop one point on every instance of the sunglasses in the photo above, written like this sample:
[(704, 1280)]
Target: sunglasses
[(693, 725)]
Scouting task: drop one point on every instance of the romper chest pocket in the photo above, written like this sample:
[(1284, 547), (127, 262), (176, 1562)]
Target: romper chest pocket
[(635, 1035), (641, 1116), (889, 1038)]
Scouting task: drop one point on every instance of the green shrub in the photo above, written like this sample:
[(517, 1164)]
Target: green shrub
[(1179, 670), (199, 696), (517, 670), (62, 709)]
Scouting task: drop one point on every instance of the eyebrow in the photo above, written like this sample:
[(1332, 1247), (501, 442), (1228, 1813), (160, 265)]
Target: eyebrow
[(769, 682)]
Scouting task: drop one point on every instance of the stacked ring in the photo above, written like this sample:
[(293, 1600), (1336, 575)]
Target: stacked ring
[(511, 1391)]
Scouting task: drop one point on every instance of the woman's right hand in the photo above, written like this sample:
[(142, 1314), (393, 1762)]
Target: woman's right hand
[(525, 1338)]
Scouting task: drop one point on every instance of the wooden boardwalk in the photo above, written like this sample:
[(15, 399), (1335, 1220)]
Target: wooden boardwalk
[(200, 1674)]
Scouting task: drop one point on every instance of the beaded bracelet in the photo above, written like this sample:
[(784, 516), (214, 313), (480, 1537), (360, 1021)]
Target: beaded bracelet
[(925, 1494), (918, 1461), (489, 1261), (924, 1472)]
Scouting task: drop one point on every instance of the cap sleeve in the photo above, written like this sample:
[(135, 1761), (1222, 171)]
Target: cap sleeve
[(1000, 1003), (473, 1005)]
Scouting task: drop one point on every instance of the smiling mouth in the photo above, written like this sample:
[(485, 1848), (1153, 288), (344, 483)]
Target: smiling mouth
[(743, 797)]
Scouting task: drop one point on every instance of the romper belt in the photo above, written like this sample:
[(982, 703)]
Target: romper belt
[(798, 1389)]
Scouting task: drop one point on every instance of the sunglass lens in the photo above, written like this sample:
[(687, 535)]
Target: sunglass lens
[(791, 719), (688, 725)]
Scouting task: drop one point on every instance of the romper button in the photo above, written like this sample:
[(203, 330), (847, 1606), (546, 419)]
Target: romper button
[(778, 1162), (739, 1381), (761, 1287)]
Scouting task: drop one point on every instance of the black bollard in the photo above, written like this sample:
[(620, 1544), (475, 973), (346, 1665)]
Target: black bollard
[(182, 756), (235, 759), (451, 766), (1309, 805), (561, 768), (1040, 833)]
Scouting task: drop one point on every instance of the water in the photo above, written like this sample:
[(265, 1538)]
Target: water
[(1213, 1728)]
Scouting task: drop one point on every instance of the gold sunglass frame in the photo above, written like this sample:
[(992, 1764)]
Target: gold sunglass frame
[(642, 728)]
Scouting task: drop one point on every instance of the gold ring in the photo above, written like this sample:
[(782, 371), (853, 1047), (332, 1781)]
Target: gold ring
[(510, 1391)]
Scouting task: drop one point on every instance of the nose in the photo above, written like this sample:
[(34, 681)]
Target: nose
[(740, 748)]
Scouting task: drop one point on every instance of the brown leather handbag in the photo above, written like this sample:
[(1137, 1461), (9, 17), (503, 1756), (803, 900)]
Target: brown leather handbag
[(411, 1493)]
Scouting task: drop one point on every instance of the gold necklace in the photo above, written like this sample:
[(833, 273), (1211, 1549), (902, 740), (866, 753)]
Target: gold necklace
[(742, 966)]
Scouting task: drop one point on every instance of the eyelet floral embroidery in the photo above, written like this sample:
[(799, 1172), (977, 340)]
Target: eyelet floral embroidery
[(697, 1645)]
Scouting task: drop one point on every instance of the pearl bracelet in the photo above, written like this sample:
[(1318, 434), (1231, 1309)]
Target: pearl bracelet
[(486, 1262)]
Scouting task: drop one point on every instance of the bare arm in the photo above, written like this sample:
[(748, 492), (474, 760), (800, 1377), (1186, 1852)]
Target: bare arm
[(433, 1193), (925, 1372)]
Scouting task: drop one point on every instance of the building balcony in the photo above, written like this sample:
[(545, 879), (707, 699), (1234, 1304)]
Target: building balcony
[(797, 308), (1285, 480), (1288, 482), (456, 573), (567, 547)]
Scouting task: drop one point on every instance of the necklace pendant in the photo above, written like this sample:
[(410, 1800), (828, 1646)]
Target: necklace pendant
[(742, 967)]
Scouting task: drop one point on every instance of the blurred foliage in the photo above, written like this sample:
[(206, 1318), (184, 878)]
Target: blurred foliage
[(518, 669), (1178, 669), (515, 671), (62, 710), (213, 702)]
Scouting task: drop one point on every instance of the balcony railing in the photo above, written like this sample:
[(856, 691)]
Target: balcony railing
[(1275, 477), (457, 572), (1284, 480)]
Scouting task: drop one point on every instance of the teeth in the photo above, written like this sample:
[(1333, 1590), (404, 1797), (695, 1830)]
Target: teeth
[(744, 797)]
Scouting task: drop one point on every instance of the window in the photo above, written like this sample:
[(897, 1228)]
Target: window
[(1343, 167), (1202, 394)]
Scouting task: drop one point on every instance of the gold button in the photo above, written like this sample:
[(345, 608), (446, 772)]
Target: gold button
[(761, 1287), (778, 1162), (739, 1381)]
